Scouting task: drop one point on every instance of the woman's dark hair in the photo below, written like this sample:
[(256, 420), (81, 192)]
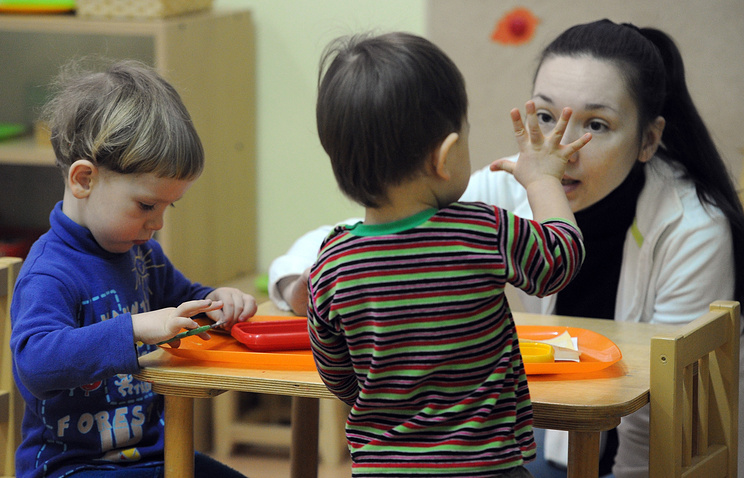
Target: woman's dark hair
[(384, 103), (654, 72)]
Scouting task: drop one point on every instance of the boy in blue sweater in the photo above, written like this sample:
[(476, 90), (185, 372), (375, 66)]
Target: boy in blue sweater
[(96, 291)]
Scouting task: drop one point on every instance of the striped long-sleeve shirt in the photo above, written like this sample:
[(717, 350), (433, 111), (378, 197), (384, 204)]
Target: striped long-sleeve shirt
[(409, 324)]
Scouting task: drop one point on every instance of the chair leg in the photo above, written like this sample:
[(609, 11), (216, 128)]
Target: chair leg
[(225, 412)]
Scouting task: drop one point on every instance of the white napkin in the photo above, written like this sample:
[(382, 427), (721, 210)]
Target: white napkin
[(566, 347)]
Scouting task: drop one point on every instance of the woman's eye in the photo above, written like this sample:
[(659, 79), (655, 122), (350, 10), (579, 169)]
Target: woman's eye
[(597, 127), (147, 207), (544, 118)]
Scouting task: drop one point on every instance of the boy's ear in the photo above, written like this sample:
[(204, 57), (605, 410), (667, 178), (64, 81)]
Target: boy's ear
[(81, 177), (441, 154)]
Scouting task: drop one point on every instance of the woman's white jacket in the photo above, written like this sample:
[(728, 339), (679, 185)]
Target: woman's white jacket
[(677, 259)]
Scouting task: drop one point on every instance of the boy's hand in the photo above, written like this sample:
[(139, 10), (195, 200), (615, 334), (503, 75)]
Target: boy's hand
[(237, 306), (540, 157), (159, 325)]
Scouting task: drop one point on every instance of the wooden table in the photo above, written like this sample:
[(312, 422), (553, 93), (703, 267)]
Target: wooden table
[(587, 404), (182, 380), (582, 404)]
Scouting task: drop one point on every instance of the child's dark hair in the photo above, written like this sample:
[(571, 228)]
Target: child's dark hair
[(654, 72), (126, 119), (384, 103)]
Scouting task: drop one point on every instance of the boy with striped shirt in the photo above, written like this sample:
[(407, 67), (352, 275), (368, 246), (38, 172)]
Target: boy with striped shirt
[(408, 319)]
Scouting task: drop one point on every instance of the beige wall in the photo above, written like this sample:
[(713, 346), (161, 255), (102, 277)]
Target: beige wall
[(296, 189)]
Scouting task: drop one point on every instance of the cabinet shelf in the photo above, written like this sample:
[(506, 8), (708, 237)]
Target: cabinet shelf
[(209, 57), (25, 151), (81, 25)]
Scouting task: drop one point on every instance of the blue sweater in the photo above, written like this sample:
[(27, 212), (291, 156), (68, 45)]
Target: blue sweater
[(74, 351)]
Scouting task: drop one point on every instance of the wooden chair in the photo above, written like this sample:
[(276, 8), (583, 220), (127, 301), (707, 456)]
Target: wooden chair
[(11, 403), (694, 397)]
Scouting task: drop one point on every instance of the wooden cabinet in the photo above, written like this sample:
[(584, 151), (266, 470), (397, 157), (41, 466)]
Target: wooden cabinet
[(209, 57)]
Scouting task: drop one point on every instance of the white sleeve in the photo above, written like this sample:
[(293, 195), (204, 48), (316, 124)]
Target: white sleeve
[(299, 257), (498, 188), (697, 268)]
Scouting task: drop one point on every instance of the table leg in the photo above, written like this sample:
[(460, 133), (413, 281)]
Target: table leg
[(583, 454), (179, 437), (303, 454)]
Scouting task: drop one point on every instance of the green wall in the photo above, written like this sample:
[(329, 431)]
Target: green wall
[(296, 189)]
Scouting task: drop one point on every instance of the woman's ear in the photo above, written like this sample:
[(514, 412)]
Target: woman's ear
[(440, 154), (81, 177), (651, 139)]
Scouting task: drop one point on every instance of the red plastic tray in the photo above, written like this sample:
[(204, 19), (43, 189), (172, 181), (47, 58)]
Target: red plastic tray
[(223, 347), (273, 336)]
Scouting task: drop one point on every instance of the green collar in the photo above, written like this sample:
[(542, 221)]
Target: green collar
[(361, 229)]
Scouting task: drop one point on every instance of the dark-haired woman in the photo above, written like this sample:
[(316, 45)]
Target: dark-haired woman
[(663, 226)]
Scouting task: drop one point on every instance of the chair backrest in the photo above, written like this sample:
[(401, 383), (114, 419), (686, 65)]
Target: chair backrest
[(694, 397), (11, 403)]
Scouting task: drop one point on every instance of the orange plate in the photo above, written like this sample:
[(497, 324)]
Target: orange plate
[(224, 348), (597, 351)]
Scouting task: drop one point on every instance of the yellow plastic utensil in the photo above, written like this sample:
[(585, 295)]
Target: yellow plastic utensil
[(534, 352)]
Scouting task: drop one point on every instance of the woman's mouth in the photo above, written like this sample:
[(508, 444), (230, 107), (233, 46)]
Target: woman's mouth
[(569, 184)]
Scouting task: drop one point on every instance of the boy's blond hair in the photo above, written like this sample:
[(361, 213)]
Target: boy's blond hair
[(126, 119)]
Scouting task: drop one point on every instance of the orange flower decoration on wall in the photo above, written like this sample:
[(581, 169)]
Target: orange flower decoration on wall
[(516, 27)]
